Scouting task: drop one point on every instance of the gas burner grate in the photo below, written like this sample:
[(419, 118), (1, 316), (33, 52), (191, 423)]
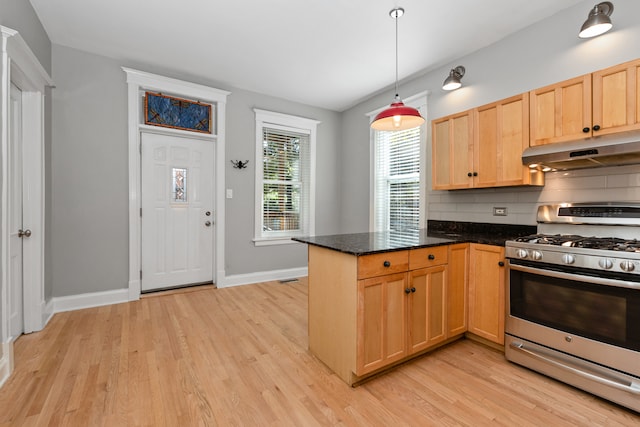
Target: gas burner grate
[(570, 240)]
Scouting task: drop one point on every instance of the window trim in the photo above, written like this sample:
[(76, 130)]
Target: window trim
[(419, 102), (287, 122)]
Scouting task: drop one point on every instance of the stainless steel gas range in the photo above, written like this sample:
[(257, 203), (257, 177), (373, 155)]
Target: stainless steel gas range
[(573, 299)]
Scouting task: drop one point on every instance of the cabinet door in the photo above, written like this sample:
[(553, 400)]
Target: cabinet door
[(502, 134), (561, 112), (381, 324), (426, 311), (486, 292), (616, 99), (457, 285), (452, 152)]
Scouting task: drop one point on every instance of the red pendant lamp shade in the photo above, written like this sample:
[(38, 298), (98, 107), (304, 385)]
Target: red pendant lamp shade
[(398, 116)]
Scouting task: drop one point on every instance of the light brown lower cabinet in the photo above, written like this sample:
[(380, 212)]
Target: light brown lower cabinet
[(370, 312), (382, 312), (399, 315), (457, 289), (487, 278)]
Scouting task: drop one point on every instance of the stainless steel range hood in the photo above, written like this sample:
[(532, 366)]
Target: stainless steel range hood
[(608, 150)]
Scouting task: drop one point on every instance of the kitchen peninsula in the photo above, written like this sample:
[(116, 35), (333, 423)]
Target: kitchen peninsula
[(379, 299)]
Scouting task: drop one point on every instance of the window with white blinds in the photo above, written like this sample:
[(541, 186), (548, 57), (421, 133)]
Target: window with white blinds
[(284, 177), (396, 201)]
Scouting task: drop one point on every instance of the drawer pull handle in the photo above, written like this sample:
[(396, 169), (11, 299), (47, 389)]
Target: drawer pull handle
[(431, 256), (387, 264)]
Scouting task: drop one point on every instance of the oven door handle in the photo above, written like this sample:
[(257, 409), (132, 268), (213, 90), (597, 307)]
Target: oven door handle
[(577, 277), (620, 384)]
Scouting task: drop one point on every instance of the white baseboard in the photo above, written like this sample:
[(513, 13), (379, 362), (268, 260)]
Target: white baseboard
[(95, 299), (47, 313), (262, 276), (6, 362)]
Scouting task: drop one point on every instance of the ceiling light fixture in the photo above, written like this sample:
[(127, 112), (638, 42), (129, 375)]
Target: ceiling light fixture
[(452, 82), (398, 116), (598, 21)]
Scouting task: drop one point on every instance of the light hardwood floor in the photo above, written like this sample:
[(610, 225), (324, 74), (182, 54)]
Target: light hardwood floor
[(238, 356)]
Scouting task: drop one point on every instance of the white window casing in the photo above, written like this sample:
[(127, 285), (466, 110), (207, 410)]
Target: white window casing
[(285, 177), (398, 195)]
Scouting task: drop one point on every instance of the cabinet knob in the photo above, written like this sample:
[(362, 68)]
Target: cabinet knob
[(413, 289), (386, 264), (585, 130), (596, 127), (469, 174), (407, 291), (431, 256), (501, 263), (475, 174)]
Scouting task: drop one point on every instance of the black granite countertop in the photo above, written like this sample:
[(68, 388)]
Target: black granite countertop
[(369, 243), (437, 233)]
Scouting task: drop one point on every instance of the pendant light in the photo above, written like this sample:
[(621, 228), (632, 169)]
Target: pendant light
[(398, 116)]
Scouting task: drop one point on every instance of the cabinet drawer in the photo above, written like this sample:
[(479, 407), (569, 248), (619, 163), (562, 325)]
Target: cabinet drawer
[(381, 264), (427, 257)]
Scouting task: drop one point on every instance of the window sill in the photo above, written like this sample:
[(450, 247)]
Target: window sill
[(271, 241)]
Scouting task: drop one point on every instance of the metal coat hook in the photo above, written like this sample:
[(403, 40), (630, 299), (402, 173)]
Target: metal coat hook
[(239, 164)]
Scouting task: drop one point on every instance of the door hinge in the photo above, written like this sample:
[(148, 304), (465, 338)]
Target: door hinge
[(140, 274), (140, 147), (140, 211)]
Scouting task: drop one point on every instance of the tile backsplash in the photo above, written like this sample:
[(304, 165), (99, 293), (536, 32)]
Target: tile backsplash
[(610, 184)]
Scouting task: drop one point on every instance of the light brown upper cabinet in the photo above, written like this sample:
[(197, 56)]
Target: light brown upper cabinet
[(616, 99), (452, 151), (483, 147), (600, 103), (561, 112), (501, 135)]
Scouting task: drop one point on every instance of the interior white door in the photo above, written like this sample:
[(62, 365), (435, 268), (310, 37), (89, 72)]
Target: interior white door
[(15, 289), (177, 211)]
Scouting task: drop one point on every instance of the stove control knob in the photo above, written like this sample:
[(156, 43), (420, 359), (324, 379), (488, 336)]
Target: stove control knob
[(627, 265), (605, 263), (536, 255), (522, 253), (568, 259)]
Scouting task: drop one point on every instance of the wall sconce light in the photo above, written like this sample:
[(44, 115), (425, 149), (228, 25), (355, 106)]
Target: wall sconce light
[(453, 81), (239, 164), (598, 21)]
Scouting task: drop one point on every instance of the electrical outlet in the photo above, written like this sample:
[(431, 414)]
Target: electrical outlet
[(229, 193), (499, 211)]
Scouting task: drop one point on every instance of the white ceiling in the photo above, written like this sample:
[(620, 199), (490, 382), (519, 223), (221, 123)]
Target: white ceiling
[(325, 53)]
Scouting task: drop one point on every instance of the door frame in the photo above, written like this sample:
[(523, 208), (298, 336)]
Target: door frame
[(20, 66), (138, 82)]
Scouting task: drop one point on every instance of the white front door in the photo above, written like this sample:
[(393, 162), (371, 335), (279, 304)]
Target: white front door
[(177, 211), (15, 297)]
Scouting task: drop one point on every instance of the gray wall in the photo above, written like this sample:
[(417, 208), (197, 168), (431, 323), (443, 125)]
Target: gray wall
[(90, 175), (89, 167), (19, 15), (542, 54)]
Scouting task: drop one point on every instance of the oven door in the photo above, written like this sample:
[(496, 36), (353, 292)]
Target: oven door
[(577, 312)]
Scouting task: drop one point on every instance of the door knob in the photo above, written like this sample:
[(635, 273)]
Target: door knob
[(24, 233), (208, 223)]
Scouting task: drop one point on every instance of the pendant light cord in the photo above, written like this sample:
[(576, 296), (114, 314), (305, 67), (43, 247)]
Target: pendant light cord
[(396, 17)]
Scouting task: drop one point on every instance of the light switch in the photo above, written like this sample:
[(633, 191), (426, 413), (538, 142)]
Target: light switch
[(229, 193)]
